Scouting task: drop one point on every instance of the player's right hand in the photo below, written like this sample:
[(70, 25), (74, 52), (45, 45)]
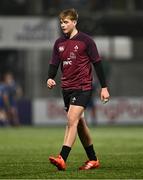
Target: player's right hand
[(51, 83)]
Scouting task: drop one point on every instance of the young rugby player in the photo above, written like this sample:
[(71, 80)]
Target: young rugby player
[(75, 51)]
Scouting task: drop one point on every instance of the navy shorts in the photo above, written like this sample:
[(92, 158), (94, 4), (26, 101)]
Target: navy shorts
[(76, 97)]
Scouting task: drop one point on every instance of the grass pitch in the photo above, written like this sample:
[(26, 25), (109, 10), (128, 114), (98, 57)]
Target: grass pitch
[(24, 153)]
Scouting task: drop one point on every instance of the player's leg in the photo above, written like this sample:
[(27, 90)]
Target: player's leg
[(61, 159), (66, 149), (66, 96), (75, 103), (65, 135), (85, 138), (83, 133), (73, 117)]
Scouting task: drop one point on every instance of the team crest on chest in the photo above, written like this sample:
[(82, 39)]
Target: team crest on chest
[(61, 48), (75, 48)]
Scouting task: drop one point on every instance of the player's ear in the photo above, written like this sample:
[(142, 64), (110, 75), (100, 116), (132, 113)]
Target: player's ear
[(75, 22)]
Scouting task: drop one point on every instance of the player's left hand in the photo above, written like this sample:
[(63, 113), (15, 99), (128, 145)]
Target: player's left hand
[(104, 95)]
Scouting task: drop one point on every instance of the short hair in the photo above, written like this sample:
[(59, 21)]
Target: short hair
[(70, 13)]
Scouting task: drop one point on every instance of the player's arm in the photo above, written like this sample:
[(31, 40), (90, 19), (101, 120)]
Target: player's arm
[(101, 77), (96, 61), (51, 75), (53, 67)]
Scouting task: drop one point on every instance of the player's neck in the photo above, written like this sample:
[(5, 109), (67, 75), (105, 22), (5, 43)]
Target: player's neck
[(73, 33)]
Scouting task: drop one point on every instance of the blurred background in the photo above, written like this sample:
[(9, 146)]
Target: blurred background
[(28, 30)]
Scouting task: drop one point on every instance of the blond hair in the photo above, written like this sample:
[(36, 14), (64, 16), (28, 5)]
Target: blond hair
[(70, 13)]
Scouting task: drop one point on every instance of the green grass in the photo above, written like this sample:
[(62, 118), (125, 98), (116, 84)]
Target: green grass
[(24, 153)]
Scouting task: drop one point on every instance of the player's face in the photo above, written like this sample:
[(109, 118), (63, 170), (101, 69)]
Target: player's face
[(67, 25)]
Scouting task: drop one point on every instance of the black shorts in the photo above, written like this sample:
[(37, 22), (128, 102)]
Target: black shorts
[(76, 97)]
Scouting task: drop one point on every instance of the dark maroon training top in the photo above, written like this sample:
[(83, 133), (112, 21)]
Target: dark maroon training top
[(75, 56)]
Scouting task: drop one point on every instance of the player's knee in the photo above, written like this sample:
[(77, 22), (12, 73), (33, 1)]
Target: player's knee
[(72, 122)]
